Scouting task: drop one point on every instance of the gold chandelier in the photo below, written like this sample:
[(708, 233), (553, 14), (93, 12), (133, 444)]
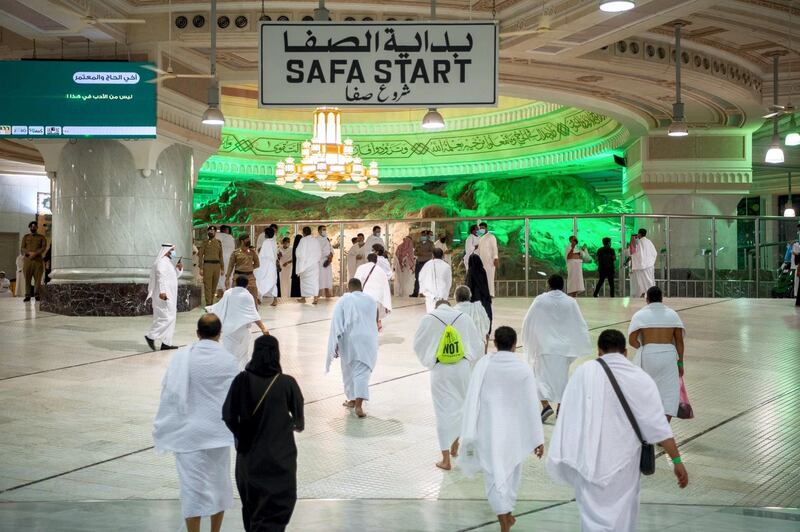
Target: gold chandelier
[(326, 160)]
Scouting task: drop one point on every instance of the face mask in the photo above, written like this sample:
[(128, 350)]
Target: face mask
[(377, 233), (323, 233), (481, 232), (423, 238)]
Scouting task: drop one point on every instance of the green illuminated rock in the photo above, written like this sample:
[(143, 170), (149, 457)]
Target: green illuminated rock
[(245, 202)]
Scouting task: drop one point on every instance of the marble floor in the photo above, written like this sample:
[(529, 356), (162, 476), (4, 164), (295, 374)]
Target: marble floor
[(78, 396)]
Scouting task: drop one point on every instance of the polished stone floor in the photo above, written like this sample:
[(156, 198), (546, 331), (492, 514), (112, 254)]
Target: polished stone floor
[(78, 396)]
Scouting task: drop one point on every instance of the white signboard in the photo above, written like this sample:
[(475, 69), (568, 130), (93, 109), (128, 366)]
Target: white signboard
[(378, 64)]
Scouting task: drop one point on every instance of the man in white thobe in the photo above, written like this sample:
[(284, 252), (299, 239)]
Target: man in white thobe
[(470, 245), (435, 279), (487, 250), (554, 334), (441, 243), (285, 276), (374, 240), (356, 255), (375, 284), (657, 332), (237, 311), (189, 424), (574, 257), (19, 287), (643, 264), (228, 247), (450, 368), (267, 272), (594, 447), (308, 257), (500, 427), (163, 290), (474, 310), (325, 261), (354, 339)]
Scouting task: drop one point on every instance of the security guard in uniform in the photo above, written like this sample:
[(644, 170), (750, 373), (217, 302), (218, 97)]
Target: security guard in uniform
[(33, 248), (243, 261), (209, 256)]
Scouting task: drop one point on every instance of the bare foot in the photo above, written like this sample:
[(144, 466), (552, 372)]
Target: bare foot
[(454, 448), (316, 300), (360, 412), (443, 465), (349, 404), (274, 303), (511, 520), (301, 300)]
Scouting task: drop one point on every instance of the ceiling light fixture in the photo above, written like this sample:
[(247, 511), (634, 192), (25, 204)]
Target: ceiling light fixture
[(789, 211), (213, 116), (433, 119), (678, 127), (774, 154), (616, 6)]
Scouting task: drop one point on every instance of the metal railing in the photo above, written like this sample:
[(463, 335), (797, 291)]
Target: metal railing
[(702, 281)]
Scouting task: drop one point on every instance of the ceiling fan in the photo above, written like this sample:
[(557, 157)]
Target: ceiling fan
[(777, 111), (93, 21), (169, 73)]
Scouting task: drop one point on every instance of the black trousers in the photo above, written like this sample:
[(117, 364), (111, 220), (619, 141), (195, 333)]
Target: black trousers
[(417, 269), (605, 276)]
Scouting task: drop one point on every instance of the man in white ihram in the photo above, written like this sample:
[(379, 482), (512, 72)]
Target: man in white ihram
[(356, 255), (308, 256), (594, 447), (500, 427), (375, 284), (163, 290), (554, 334), (474, 310), (487, 251), (449, 356), (237, 311), (374, 239), (643, 264), (435, 279), (267, 272), (228, 247), (189, 424), (326, 256), (354, 339)]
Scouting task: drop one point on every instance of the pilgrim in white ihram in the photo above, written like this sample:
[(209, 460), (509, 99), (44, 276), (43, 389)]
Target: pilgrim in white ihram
[(435, 279), (237, 311), (375, 284), (308, 257), (643, 261)]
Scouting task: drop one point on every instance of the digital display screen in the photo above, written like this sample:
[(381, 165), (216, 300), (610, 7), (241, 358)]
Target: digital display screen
[(76, 99)]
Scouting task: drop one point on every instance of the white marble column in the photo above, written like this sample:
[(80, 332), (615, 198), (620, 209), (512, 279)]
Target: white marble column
[(109, 221)]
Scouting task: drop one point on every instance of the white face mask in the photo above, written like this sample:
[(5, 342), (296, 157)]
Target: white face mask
[(323, 233)]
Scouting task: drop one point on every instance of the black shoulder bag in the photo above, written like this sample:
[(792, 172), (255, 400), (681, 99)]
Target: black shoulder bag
[(647, 461)]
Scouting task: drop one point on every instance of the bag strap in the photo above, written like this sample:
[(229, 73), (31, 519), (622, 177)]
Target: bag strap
[(451, 323), (370, 273), (622, 400), (265, 394)]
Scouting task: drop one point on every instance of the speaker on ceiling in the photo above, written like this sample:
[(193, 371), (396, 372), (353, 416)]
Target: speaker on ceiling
[(621, 161)]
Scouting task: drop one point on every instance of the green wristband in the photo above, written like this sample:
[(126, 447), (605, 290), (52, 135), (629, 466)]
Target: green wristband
[(677, 460), (680, 364)]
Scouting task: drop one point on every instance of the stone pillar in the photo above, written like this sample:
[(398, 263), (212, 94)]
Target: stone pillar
[(114, 204), (699, 174)]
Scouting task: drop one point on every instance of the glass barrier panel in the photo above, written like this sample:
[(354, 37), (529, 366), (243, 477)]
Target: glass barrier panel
[(547, 242), (690, 257), (734, 258), (776, 279), (591, 233)]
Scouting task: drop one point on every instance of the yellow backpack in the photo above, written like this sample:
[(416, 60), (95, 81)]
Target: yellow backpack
[(450, 349)]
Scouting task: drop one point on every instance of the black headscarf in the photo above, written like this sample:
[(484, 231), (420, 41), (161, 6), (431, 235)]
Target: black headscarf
[(478, 283), (295, 287), (266, 359)]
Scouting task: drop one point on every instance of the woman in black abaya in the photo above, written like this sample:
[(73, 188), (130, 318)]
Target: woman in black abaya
[(478, 284), (263, 410), (295, 277)]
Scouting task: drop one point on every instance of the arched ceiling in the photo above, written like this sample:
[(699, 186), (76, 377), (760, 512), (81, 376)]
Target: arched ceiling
[(615, 64)]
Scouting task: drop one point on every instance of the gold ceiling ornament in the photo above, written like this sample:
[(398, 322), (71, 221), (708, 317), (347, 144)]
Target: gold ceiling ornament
[(326, 160)]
